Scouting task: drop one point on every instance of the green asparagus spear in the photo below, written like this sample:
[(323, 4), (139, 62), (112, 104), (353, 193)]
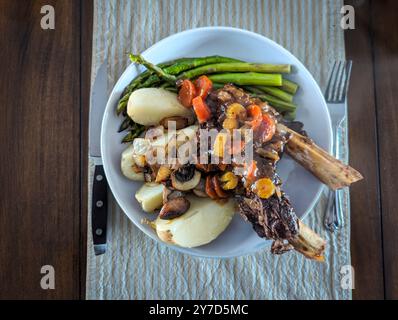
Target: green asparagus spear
[(136, 81), (289, 86), (254, 89), (288, 110), (278, 93), (177, 66), (135, 131), (128, 137), (147, 73), (196, 62), (167, 87), (182, 65), (148, 78), (171, 89), (150, 82), (173, 62), (122, 105), (235, 67), (125, 124), (249, 78), (279, 105), (217, 85), (290, 115), (159, 71)]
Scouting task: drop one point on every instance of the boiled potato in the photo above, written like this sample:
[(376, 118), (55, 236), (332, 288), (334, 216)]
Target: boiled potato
[(148, 106), (128, 164), (150, 196), (202, 223)]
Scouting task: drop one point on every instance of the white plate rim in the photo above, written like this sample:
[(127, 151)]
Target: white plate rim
[(174, 37)]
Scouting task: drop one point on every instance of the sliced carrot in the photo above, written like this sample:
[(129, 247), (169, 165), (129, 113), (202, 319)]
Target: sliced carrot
[(268, 127), (229, 180), (254, 111), (264, 188), (251, 173), (202, 111), (187, 93), (203, 86), (209, 188), (218, 189)]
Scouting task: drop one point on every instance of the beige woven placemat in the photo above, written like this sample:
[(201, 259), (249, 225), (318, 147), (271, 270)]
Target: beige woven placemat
[(135, 266)]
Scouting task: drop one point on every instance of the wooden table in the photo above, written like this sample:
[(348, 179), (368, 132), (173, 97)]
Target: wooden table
[(44, 103)]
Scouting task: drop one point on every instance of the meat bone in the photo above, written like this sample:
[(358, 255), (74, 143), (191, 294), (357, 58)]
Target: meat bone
[(332, 172)]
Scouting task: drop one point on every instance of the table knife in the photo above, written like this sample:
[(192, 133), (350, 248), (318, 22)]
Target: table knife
[(99, 204)]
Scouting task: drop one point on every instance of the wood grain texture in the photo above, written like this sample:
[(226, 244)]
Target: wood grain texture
[(366, 233), (40, 158), (385, 41)]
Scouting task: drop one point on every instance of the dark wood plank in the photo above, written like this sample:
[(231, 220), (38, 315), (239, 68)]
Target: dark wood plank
[(366, 236), (40, 143), (86, 53), (385, 39)]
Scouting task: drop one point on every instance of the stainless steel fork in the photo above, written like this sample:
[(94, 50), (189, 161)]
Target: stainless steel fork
[(336, 98)]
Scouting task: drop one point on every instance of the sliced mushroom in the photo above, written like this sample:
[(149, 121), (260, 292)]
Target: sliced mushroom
[(174, 208), (169, 194), (166, 193), (148, 174), (200, 189), (185, 178), (180, 122)]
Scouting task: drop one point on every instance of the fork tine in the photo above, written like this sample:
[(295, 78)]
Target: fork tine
[(337, 87), (330, 82), (340, 84), (347, 73), (338, 81)]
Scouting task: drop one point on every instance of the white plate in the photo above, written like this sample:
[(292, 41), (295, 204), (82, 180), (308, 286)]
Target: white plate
[(302, 188)]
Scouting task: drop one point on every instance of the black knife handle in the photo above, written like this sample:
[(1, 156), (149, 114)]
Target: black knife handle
[(99, 206)]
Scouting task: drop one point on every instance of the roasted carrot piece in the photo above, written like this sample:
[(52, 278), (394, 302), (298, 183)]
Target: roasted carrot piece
[(218, 189), (268, 127), (230, 181), (264, 188), (251, 173), (254, 112), (209, 188), (203, 86), (202, 111), (187, 93)]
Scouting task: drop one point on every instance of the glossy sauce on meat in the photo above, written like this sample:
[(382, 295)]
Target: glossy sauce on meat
[(272, 218)]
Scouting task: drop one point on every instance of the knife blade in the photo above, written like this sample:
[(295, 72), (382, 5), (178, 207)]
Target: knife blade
[(99, 204)]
